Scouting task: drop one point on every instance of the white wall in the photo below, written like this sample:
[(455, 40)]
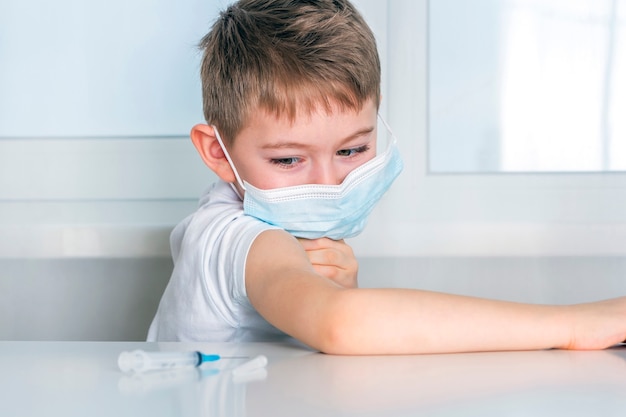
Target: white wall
[(81, 298), (96, 102)]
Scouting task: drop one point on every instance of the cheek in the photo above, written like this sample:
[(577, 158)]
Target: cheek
[(276, 180), (344, 173), (263, 177), (351, 167)]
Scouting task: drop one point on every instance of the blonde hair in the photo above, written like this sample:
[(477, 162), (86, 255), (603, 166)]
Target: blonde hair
[(285, 56)]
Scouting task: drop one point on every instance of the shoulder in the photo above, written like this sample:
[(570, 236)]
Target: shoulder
[(217, 228), (220, 216), (273, 256), (220, 209)]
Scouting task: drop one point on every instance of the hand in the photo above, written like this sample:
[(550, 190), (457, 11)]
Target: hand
[(598, 325), (332, 259)]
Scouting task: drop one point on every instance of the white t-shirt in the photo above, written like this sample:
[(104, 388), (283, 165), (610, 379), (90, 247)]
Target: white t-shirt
[(205, 299)]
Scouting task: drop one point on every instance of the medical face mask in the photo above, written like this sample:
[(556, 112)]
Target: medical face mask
[(316, 210)]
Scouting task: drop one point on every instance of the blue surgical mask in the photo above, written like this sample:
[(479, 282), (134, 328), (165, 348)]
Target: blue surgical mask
[(316, 210)]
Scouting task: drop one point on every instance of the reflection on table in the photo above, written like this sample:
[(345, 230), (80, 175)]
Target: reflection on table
[(82, 379)]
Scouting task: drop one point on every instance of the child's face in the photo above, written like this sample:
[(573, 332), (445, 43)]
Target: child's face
[(321, 148)]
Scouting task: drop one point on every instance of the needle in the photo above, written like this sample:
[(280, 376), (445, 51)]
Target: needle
[(141, 361)]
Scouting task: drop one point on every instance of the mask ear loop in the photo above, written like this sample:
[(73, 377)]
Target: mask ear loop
[(230, 161), (392, 138)]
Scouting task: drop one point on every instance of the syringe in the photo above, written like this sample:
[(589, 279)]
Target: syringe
[(141, 361)]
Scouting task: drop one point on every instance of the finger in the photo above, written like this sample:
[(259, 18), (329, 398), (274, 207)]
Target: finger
[(321, 243), (327, 271), (336, 275), (329, 257)]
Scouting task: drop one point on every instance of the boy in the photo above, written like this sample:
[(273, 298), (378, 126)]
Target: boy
[(291, 93)]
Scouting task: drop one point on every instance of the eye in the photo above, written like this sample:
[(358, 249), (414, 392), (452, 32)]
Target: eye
[(285, 162), (353, 151)]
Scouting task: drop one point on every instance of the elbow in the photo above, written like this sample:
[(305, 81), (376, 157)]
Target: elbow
[(333, 341), (338, 328)]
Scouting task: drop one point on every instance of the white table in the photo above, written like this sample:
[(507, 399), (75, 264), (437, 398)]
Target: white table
[(82, 379)]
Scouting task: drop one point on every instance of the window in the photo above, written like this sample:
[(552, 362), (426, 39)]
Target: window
[(527, 85)]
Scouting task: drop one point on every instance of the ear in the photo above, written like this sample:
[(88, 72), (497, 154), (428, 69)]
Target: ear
[(207, 145)]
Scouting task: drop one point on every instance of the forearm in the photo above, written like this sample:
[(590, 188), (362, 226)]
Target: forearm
[(397, 321), (285, 289)]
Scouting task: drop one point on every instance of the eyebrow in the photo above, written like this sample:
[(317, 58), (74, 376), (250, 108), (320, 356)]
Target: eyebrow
[(282, 145)]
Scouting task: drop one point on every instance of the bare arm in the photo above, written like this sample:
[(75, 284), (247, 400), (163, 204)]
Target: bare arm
[(285, 288)]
